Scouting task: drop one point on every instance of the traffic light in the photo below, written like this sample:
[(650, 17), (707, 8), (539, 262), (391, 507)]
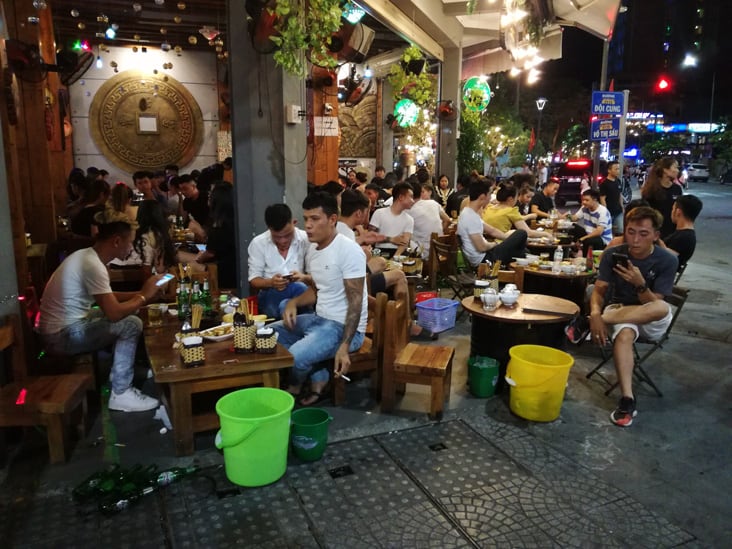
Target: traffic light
[(663, 84)]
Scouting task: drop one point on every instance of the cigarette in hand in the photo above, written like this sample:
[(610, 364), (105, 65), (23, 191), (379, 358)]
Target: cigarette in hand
[(344, 376)]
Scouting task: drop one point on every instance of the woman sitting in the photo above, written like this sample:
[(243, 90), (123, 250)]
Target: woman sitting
[(152, 243), (221, 242)]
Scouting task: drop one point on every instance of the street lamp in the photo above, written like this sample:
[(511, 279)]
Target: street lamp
[(540, 104)]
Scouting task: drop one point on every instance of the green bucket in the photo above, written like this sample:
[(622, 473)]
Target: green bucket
[(482, 376), (254, 429), (309, 433)]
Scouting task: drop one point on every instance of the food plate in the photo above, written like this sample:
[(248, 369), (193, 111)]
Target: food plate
[(545, 266), (226, 329)]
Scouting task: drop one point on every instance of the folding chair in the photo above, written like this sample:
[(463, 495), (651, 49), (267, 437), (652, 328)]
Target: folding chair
[(676, 300), (680, 272), (443, 266)]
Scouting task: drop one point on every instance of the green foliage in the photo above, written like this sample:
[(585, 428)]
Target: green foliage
[(662, 146), (489, 135), (576, 142), (722, 142), (305, 27), (421, 88)]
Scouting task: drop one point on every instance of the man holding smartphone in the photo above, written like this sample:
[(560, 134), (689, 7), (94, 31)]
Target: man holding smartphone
[(628, 300), (70, 324), (277, 261)]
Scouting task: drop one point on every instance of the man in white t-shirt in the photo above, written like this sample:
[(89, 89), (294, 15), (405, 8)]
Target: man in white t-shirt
[(277, 261), (394, 222), (69, 324), (428, 217), (471, 229), (338, 269)]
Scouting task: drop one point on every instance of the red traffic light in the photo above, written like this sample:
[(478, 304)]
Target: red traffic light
[(663, 84)]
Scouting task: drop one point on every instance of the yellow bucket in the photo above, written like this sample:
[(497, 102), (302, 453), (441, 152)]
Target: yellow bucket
[(537, 376)]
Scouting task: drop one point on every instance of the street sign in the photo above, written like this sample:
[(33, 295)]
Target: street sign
[(604, 129), (607, 102)]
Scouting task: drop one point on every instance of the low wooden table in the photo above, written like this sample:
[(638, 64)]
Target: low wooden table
[(493, 333), (567, 286), (223, 369)]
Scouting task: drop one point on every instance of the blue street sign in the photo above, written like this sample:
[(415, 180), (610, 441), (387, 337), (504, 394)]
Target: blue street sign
[(605, 129), (607, 102)]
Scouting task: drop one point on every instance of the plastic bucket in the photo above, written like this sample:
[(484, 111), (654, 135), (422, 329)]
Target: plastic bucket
[(482, 376), (537, 376), (309, 433), (255, 425)]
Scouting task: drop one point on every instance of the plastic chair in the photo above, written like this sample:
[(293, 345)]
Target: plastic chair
[(676, 300)]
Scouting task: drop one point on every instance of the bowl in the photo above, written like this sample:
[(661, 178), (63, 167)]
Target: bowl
[(569, 269), (531, 258), (509, 299), (522, 261)]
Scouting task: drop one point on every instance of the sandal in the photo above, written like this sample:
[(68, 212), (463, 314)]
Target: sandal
[(319, 396)]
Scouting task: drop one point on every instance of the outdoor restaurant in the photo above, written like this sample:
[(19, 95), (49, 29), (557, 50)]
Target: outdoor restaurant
[(226, 323)]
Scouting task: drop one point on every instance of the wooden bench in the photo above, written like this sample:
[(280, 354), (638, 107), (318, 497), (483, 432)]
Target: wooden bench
[(406, 362), (48, 401)]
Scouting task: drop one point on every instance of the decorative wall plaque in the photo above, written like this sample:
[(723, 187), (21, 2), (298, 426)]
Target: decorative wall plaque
[(143, 121)]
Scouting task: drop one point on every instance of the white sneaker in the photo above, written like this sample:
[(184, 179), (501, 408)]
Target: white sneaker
[(132, 400)]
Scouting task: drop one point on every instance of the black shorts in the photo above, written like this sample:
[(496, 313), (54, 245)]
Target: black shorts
[(377, 283)]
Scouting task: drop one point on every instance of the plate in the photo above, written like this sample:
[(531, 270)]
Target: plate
[(209, 334), (545, 266)]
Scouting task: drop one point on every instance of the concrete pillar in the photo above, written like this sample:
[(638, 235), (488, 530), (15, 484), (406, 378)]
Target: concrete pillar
[(268, 154), (447, 131)]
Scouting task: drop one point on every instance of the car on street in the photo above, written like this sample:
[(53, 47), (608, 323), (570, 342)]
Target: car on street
[(569, 174), (697, 172)]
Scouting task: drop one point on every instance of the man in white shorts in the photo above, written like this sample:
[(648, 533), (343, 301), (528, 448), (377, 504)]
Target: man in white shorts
[(633, 280)]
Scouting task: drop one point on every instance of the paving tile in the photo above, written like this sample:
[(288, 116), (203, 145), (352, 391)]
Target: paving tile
[(637, 525), (449, 457)]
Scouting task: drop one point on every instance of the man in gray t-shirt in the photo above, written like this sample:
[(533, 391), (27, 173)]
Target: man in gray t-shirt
[(628, 299)]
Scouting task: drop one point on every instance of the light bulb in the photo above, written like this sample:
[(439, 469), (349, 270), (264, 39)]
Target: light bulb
[(100, 64), (368, 73), (111, 33)]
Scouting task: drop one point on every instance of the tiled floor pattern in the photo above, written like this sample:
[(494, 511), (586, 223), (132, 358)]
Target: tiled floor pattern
[(471, 483)]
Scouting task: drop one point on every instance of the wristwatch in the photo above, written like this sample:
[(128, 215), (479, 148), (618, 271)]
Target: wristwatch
[(640, 289)]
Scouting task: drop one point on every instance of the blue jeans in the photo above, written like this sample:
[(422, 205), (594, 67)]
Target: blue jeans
[(312, 340), (272, 302), (95, 333)]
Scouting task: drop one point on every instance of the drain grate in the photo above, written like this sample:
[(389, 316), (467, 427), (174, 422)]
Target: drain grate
[(437, 446), (339, 472)]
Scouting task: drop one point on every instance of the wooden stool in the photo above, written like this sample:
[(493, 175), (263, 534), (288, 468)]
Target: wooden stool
[(406, 362), (49, 401)]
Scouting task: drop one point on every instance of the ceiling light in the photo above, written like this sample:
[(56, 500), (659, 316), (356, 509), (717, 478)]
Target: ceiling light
[(100, 63), (110, 33), (353, 14)]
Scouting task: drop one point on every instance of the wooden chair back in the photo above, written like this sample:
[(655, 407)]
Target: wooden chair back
[(368, 358), (396, 330)]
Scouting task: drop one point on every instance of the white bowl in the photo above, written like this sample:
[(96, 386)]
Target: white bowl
[(523, 261), (531, 258), (509, 299), (569, 269)]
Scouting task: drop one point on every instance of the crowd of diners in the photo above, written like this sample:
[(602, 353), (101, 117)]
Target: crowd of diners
[(317, 281)]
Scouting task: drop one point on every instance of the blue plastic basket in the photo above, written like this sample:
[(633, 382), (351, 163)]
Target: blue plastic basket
[(437, 314)]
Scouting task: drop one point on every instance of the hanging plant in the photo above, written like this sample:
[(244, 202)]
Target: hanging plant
[(408, 82), (305, 28)]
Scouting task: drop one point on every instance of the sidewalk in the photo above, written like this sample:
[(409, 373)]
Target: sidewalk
[(480, 478)]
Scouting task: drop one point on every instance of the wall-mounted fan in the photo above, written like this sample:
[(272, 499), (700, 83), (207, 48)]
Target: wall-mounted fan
[(446, 110), (27, 64)]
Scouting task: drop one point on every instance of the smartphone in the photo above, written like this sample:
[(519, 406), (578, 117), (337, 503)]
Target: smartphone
[(621, 259), (287, 277), (167, 277), (201, 247)]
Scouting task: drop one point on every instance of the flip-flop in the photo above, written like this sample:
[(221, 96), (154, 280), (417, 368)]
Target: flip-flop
[(320, 397)]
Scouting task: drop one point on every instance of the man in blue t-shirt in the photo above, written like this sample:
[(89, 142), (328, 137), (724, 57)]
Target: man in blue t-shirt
[(628, 299)]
